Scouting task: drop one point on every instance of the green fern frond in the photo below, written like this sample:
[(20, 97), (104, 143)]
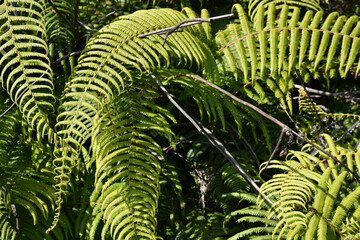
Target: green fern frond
[(260, 48), (256, 5), (104, 70), (127, 162), (60, 29), (306, 106), (199, 227), (25, 68), (322, 210)]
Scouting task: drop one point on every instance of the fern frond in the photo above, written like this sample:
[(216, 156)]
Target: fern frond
[(104, 69), (314, 213), (127, 167), (259, 48), (256, 5), (25, 71), (199, 227), (60, 31)]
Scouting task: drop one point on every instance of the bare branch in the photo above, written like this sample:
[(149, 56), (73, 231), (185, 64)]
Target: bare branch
[(271, 118), (27, 88), (275, 149), (183, 23), (212, 139)]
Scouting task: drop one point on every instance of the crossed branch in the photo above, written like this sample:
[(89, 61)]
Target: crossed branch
[(183, 23)]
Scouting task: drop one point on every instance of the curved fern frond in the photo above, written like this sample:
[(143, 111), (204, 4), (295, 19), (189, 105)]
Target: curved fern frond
[(27, 196), (199, 227), (104, 69), (314, 207), (127, 162), (260, 48), (25, 71), (256, 5)]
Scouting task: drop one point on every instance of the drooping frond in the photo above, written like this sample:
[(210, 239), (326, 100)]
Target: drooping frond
[(275, 43), (216, 105), (201, 227), (127, 162), (27, 197), (308, 195), (25, 71), (104, 70)]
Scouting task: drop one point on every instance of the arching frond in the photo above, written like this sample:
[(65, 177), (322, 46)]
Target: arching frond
[(104, 70), (255, 5), (25, 71), (60, 27), (127, 162), (316, 210), (274, 44)]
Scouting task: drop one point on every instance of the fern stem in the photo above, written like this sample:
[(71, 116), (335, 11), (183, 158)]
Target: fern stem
[(271, 118), (212, 139)]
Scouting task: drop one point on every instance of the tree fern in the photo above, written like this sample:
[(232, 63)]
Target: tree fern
[(116, 160)]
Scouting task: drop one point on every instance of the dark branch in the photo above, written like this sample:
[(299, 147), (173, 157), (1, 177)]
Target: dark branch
[(212, 139), (282, 125), (275, 149), (183, 23), (27, 88)]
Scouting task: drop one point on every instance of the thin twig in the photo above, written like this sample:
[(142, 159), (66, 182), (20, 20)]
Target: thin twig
[(275, 149), (108, 15), (27, 88), (329, 94), (212, 139), (86, 27), (183, 23), (348, 131), (148, 4), (282, 125)]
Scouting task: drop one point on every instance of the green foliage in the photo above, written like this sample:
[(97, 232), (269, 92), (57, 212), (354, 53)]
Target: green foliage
[(314, 197), (271, 47), (94, 150)]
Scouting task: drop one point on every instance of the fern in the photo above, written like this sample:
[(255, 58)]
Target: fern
[(258, 48), (26, 74), (96, 159), (103, 69), (256, 5), (60, 29), (315, 214)]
